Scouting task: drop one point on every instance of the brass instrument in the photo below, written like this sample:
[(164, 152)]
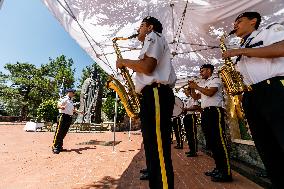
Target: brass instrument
[(233, 82), (232, 79), (128, 97), (185, 86), (181, 87)]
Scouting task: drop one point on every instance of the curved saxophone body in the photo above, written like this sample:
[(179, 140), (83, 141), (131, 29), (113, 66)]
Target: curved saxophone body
[(232, 79), (128, 97)]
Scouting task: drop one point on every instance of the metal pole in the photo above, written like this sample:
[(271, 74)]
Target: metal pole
[(129, 129), (114, 120)]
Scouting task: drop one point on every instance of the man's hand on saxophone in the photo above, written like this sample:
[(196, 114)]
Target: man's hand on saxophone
[(146, 65), (232, 52), (119, 63)]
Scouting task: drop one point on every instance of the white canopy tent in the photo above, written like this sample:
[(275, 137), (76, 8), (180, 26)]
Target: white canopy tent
[(192, 27)]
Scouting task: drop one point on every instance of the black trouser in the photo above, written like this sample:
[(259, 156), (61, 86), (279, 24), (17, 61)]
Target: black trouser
[(264, 111), (177, 126), (212, 120), (189, 122), (156, 111), (63, 124)]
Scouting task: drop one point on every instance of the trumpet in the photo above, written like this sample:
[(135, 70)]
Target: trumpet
[(185, 86)]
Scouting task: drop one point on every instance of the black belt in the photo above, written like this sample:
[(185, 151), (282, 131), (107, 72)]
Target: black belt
[(268, 82), (65, 114), (153, 85), (211, 107)]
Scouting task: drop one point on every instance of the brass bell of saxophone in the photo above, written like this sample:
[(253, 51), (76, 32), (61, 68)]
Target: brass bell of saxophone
[(126, 92)]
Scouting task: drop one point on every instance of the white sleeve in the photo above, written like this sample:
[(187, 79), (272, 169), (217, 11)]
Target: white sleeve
[(152, 47), (62, 101), (274, 34), (216, 82)]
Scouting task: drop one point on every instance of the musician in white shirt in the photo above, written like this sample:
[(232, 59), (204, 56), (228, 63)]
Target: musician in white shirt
[(66, 110), (190, 123), (155, 78), (261, 63), (212, 122)]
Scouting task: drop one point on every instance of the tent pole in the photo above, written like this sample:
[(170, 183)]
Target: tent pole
[(129, 129), (114, 120)]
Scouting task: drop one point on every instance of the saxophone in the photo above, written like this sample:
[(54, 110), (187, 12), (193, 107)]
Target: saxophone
[(232, 79), (129, 98)]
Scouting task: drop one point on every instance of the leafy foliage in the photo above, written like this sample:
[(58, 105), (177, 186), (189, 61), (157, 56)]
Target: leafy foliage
[(47, 111), (109, 108), (25, 86)]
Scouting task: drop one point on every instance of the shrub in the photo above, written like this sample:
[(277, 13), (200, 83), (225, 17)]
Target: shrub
[(47, 111)]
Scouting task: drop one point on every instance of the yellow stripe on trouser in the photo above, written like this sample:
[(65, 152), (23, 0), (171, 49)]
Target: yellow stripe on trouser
[(57, 129), (223, 143), (159, 139)]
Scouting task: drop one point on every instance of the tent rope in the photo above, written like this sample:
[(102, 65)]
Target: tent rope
[(176, 37), (86, 34)]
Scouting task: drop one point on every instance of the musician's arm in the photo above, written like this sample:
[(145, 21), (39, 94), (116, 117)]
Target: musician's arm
[(195, 95), (146, 65), (272, 51), (207, 91)]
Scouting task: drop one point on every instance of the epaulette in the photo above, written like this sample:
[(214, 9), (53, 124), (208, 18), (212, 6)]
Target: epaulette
[(269, 26)]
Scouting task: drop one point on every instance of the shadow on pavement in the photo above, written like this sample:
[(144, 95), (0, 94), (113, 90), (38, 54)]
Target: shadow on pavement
[(129, 178)]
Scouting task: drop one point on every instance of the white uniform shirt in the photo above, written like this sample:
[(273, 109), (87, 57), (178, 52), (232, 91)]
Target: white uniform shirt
[(189, 103), (68, 103), (217, 98), (254, 69), (156, 46)]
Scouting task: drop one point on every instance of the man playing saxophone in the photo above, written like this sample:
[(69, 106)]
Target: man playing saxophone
[(260, 59), (155, 78)]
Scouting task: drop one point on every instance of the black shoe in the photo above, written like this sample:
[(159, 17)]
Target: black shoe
[(144, 171), (221, 177), (178, 147), (55, 151), (63, 150), (144, 176), (262, 174), (191, 154), (212, 173)]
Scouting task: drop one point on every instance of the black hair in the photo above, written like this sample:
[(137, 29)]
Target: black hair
[(250, 16), (210, 66), (157, 26)]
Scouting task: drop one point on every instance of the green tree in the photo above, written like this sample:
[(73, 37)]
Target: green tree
[(47, 110), (57, 69), (109, 107), (25, 87)]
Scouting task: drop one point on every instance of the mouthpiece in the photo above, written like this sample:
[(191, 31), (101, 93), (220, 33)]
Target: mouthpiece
[(232, 32), (133, 36)]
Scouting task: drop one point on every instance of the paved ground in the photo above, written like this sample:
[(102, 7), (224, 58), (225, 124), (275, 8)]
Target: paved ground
[(27, 163)]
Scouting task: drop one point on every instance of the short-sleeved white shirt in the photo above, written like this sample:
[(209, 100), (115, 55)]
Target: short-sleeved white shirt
[(255, 70), (156, 46), (68, 103), (217, 98), (189, 103)]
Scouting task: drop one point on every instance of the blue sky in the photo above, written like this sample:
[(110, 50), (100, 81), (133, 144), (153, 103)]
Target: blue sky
[(30, 33)]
